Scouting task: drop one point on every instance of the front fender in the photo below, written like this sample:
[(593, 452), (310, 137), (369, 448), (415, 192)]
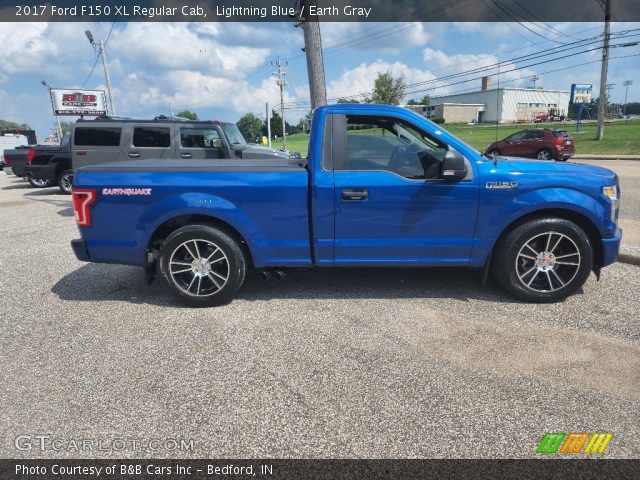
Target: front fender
[(496, 219), (504, 207)]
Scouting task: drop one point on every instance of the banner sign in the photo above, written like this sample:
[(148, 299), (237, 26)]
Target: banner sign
[(78, 102)]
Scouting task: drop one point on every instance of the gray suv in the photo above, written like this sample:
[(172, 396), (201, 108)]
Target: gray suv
[(113, 139)]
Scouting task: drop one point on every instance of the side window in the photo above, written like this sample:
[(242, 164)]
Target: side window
[(393, 145), (532, 135), (97, 137), (517, 136), (200, 138), (151, 137)]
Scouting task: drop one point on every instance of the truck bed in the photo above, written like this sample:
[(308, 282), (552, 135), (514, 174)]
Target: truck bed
[(266, 201)]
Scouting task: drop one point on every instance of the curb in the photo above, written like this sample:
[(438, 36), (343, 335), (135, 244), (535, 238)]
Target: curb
[(605, 157)]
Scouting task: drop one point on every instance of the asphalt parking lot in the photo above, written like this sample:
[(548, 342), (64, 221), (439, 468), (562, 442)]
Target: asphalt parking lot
[(326, 364)]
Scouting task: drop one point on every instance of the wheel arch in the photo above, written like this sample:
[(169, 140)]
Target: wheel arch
[(579, 219), (171, 225)]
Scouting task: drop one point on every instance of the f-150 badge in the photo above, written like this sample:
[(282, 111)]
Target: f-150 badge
[(502, 185)]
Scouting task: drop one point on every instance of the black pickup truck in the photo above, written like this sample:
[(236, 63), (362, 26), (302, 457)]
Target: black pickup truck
[(48, 165)]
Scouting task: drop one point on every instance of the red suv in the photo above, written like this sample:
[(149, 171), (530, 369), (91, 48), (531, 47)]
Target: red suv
[(540, 143)]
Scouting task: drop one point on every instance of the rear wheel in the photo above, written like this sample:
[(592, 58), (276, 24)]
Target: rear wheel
[(202, 265), (544, 260), (544, 154), (38, 182), (65, 181)]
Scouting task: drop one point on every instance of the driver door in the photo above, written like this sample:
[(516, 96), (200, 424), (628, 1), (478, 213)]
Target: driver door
[(386, 211)]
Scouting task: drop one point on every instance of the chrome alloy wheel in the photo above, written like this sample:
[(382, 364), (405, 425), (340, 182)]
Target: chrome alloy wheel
[(548, 262), (66, 181), (544, 155), (199, 268)]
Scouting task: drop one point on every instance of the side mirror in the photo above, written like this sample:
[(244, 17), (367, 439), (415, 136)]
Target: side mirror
[(454, 166)]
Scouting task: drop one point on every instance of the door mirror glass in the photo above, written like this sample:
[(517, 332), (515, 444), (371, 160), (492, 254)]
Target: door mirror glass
[(454, 166)]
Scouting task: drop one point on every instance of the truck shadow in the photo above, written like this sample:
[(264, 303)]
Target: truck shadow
[(101, 282), (53, 197)]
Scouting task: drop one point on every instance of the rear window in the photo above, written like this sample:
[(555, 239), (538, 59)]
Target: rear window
[(561, 133), (98, 137), (151, 137)]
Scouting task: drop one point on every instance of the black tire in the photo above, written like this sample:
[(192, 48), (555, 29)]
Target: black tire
[(493, 152), (544, 154), (65, 181), (39, 183), (553, 275), (202, 276)]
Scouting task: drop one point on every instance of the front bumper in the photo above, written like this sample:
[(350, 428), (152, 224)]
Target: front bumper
[(8, 170), (611, 247), (41, 172), (80, 250)]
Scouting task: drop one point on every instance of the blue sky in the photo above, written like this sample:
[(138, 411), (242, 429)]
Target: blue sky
[(222, 70)]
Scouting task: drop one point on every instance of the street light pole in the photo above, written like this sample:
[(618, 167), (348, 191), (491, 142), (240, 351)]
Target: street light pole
[(103, 53), (54, 114), (626, 84)]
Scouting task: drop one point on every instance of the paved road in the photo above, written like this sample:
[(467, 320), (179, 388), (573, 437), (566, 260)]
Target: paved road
[(382, 363), (629, 173)]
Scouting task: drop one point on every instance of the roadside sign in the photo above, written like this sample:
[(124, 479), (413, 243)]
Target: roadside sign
[(581, 93), (78, 102)]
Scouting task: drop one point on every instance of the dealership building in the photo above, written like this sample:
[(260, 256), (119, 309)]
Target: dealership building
[(503, 105)]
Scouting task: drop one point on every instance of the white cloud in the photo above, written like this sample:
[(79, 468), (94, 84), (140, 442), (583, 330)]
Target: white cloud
[(444, 65), (360, 79), (381, 37)]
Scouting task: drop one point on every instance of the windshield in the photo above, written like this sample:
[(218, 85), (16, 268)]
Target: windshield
[(233, 134), (439, 127)]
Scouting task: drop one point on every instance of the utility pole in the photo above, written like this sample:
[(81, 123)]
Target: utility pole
[(626, 84), (313, 51), (535, 78), (602, 105), (103, 53), (608, 87), (268, 112), (281, 82)]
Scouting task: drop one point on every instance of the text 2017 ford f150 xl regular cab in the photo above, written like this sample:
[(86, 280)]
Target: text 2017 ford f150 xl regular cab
[(382, 186)]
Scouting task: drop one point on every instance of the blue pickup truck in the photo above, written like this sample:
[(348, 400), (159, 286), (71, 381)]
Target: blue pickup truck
[(381, 187)]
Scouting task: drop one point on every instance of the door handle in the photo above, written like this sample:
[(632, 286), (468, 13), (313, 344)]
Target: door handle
[(185, 155), (134, 155), (355, 194)]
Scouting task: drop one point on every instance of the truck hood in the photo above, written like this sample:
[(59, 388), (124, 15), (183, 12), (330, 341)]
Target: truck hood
[(258, 151), (524, 165)]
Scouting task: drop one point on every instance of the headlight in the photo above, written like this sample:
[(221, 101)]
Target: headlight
[(611, 192)]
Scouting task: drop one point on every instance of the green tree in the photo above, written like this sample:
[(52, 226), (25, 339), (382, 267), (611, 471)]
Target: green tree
[(66, 127), (347, 100), (423, 101), (188, 114), (251, 127), (276, 125), (388, 90), (8, 125)]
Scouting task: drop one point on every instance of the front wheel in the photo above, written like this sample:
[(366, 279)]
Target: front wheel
[(38, 182), (65, 182), (544, 260), (493, 152), (202, 265)]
